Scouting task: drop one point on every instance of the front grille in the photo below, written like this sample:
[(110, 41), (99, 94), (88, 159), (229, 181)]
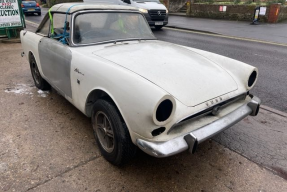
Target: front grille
[(208, 111), (157, 15), (222, 105)]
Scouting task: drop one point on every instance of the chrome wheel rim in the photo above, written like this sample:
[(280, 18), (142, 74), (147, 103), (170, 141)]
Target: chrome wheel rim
[(35, 71), (105, 133)]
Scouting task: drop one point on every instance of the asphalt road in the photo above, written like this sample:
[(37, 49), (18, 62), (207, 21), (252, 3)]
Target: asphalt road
[(35, 18)]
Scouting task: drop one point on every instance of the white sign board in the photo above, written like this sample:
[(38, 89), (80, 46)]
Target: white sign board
[(10, 15), (262, 11)]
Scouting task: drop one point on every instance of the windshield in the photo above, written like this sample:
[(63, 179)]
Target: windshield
[(99, 27)]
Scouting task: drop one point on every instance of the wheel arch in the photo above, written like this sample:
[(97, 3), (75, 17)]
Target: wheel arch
[(97, 94), (94, 96), (30, 53)]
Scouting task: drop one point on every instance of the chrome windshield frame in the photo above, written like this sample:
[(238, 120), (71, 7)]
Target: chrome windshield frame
[(74, 15)]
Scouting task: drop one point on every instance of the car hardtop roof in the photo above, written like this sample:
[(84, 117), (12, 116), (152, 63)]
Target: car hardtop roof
[(74, 7)]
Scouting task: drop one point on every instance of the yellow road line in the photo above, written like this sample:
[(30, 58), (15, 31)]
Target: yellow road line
[(31, 22), (228, 37)]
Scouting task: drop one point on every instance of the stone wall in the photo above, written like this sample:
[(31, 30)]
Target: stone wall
[(237, 12), (283, 13), (175, 5), (233, 12)]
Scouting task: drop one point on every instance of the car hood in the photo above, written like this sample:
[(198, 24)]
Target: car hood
[(189, 77), (150, 5)]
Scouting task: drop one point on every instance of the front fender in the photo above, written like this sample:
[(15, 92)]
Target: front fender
[(134, 96)]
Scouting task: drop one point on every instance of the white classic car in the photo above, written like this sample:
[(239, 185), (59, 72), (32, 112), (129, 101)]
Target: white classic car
[(139, 92)]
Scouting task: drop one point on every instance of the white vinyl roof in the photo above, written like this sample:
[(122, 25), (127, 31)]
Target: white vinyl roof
[(73, 7)]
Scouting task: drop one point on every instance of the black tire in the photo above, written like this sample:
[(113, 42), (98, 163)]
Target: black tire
[(40, 83), (158, 27), (123, 149)]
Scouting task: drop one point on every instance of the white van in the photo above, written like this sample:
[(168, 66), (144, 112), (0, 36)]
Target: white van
[(154, 11)]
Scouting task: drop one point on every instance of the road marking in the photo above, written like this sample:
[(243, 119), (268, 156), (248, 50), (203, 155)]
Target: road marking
[(272, 110), (32, 23), (228, 37)]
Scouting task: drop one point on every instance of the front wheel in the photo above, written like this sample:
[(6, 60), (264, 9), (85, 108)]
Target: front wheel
[(40, 83), (111, 133)]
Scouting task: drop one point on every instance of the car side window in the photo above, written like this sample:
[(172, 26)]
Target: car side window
[(59, 22), (45, 28)]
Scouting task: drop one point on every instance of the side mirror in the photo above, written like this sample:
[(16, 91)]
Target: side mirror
[(127, 1)]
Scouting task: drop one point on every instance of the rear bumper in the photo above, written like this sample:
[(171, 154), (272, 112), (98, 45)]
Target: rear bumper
[(36, 10), (192, 139)]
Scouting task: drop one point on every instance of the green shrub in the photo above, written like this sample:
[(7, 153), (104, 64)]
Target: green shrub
[(237, 2), (248, 2), (276, 1), (210, 1), (282, 2)]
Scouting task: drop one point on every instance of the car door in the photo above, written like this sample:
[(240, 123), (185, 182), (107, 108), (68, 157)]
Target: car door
[(55, 58)]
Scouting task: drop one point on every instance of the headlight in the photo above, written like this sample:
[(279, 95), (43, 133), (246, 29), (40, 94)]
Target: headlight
[(166, 10), (252, 79), (143, 10), (164, 110)]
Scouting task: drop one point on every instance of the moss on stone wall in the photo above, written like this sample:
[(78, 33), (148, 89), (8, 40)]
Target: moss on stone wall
[(233, 12), (283, 13)]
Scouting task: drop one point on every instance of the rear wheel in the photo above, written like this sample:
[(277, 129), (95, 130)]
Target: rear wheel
[(111, 133), (40, 83)]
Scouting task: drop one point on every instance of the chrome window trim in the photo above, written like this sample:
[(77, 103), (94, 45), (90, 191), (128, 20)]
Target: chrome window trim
[(72, 44), (40, 26)]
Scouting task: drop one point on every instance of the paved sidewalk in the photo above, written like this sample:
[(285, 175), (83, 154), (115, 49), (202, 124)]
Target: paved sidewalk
[(266, 32)]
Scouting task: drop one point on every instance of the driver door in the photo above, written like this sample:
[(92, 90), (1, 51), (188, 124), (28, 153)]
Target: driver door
[(55, 59)]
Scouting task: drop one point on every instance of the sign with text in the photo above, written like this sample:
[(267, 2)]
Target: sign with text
[(262, 11), (222, 8), (10, 15)]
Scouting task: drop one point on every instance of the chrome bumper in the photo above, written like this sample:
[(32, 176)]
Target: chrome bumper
[(192, 139)]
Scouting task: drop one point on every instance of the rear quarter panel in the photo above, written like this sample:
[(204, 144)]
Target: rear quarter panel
[(29, 42)]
